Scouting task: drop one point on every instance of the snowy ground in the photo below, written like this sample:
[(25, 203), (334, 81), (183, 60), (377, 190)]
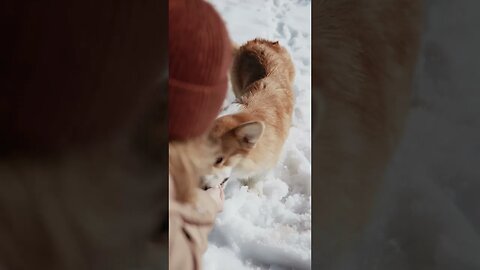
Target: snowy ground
[(270, 232)]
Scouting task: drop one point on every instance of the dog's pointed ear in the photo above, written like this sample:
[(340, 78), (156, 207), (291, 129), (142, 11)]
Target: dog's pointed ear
[(249, 133), (235, 48)]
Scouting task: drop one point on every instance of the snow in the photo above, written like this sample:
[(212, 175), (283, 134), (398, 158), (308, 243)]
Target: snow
[(272, 231)]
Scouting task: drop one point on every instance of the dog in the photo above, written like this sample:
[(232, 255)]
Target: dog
[(252, 135)]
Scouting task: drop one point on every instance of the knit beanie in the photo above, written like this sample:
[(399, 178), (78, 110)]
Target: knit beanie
[(199, 59)]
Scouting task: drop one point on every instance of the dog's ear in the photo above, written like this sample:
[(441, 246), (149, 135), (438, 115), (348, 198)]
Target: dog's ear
[(235, 48), (249, 133)]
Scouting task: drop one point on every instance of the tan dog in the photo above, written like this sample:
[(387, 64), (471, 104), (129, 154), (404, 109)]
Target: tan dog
[(364, 59), (252, 138)]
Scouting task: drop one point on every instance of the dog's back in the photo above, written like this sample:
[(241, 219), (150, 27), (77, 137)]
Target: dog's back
[(263, 74)]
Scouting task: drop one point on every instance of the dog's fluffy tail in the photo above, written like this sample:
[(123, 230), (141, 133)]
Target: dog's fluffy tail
[(245, 70)]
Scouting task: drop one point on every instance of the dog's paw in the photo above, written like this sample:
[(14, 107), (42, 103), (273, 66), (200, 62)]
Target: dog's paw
[(255, 187)]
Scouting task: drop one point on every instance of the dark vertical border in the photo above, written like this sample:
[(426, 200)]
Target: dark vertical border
[(354, 132), (315, 239), (71, 55)]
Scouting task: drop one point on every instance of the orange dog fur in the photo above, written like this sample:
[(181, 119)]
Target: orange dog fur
[(363, 65), (252, 138)]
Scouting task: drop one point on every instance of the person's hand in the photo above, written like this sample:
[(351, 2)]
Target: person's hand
[(218, 196)]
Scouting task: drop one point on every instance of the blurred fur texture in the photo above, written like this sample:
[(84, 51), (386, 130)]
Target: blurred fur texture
[(364, 54), (95, 209)]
